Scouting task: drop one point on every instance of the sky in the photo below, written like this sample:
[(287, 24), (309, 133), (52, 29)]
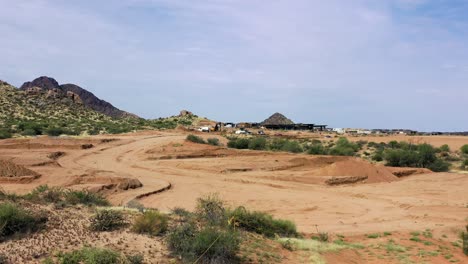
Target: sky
[(360, 63)]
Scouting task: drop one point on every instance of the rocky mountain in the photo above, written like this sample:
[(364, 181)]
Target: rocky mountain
[(43, 107), (87, 98), (277, 119)]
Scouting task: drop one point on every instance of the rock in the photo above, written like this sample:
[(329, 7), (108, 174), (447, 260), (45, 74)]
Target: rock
[(185, 113), (33, 90), (76, 98), (129, 184)]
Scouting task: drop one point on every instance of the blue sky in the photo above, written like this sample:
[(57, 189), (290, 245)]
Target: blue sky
[(360, 63)]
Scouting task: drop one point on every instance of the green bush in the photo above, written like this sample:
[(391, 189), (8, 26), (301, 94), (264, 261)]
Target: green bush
[(195, 139), (107, 220), (317, 149), (151, 222), (88, 255), (135, 259), (378, 156), (55, 131), (213, 141), (4, 134), (85, 197), (16, 220), (262, 223), (258, 143), (29, 132), (208, 245), (238, 143), (292, 146), (343, 147), (444, 148), (464, 149), (439, 166), (211, 209)]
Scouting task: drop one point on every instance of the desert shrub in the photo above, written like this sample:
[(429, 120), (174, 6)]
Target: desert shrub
[(261, 223), (464, 165), (394, 144), (317, 149), (464, 149), (151, 222), (195, 139), (258, 143), (88, 255), (85, 197), (16, 220), (136, 205), (344, 147), (439, 166), (107, 220), (444, 148), (427, 155), (182, 213), (292, 146), (323, 237), (213, 141), (277, 144), (135, 259), (4, 134), (29, 132), (378, 156), (55, 131), (210, 209), (401, 158), (238, 143), (208, 245)]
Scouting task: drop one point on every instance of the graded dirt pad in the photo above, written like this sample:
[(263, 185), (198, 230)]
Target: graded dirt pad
[(174, 173)]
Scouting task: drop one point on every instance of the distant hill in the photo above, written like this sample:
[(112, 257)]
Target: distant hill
[(88, 99), (52, 110), (277, 119)]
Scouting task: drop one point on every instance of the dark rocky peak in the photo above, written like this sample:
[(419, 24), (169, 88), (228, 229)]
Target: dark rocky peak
[(277, 119), (43, 82)]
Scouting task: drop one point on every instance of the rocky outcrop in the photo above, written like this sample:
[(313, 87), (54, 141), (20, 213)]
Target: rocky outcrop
[(185, 113), (277, 119), (78, 95)]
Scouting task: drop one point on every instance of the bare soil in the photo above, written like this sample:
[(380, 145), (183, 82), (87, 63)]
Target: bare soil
[(174, 173)]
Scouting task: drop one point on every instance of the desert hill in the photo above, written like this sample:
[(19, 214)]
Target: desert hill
[(88, 98), (277, 119), (44, 107)]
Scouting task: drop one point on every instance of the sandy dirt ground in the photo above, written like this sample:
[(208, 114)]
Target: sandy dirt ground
[(174, 173)]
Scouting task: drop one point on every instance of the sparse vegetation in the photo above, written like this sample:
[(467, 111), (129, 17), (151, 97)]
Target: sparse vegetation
[(108, 220), (195, 139), (213, 141), (465, 241), (151, 222), (85, 197), (464, 149), (89, 255), (262, 223), (16, 220)]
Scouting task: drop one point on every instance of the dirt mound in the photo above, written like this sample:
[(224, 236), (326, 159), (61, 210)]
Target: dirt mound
[(277, 119), (13, 173), (354, 167), (10, 169)]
